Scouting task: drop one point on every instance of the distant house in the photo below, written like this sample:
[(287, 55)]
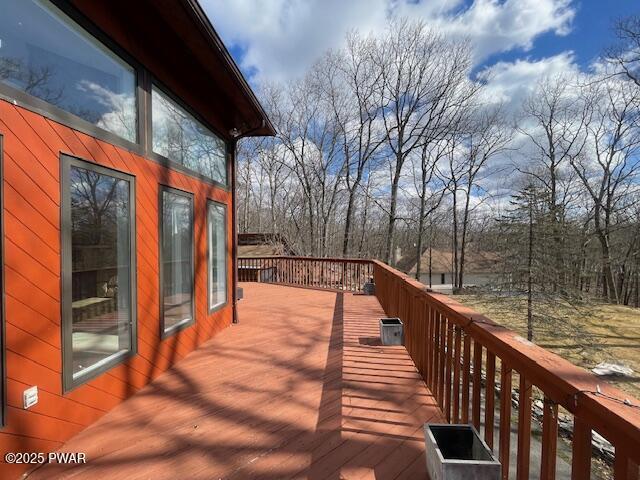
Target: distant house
[(262, 245), (480, 268)]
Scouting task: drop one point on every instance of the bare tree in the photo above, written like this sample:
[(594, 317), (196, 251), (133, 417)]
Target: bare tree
[(554, 123), (429, 188), (610, 164), (625, 57), (424, 82), (488, 135), (358, 117)]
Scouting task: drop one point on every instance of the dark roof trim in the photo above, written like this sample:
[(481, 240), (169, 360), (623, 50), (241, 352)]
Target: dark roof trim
[(266, 127)]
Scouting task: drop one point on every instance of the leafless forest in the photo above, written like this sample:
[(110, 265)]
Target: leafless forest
[(393, 144)]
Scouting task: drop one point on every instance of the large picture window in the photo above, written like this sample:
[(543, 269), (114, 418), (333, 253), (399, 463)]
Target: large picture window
[(98, 241), (179, 137), (217, 256), (176, 260), (48, 56)]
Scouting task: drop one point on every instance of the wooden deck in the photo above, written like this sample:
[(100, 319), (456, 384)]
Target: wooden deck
[(299, 389)]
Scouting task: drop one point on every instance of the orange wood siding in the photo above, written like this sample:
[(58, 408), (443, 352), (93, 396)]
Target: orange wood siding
[(32, 148)]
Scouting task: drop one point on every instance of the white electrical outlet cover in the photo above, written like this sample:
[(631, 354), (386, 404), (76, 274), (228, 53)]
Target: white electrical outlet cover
[(30, 397)]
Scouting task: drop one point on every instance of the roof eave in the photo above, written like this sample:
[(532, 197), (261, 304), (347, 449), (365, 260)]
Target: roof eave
[(264, 127)]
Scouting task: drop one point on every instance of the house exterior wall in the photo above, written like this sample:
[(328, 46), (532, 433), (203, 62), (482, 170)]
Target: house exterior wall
[(478, 279), (32, 145)]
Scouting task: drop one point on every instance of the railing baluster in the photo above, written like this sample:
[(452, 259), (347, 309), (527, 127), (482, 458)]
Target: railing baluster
[(466, 366), (430, 342), (624, 468), (442, 321), (524, 429), (549, 440), (581, 447), (489, 399), (477, 387), (424, 316), (447, 382), (435, 355), (456, 375), (505, 418)]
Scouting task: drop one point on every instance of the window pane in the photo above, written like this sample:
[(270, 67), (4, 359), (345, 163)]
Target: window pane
[(182, 139), (101, 268), (45, 54), (217, 255), (177, 259)]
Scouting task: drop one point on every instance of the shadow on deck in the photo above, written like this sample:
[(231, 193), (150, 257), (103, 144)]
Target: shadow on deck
[(298, 389)]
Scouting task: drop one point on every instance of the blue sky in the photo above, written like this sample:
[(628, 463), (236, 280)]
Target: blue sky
[(591, 32), (516, 41)]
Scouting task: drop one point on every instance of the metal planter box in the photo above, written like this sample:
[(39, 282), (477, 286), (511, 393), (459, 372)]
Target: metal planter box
[(456, 452), (391, 331)]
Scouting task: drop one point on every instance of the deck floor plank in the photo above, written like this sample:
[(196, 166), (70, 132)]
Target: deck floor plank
[(300, 388)]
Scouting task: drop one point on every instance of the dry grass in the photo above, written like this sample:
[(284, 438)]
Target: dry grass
[(585, 334)]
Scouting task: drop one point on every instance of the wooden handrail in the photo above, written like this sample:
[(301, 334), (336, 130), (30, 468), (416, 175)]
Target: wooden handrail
[(454, 347), (327, 259), (337, 274), (594, 404)]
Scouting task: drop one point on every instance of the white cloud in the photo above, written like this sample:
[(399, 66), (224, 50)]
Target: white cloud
[(281, 38), (494, 26), (511, 82)]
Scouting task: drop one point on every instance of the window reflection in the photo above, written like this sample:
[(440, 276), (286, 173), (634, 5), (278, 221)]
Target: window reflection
[(182, 139), (177, 259), (45, 54), (217, 255), (101, 268)]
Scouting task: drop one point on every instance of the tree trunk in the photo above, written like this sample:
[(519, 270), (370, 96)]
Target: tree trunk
[(347, 223), (421, 229), (530, 276), (388, 254), (463, 240), (455, 239), (364, 219), (609, 283)]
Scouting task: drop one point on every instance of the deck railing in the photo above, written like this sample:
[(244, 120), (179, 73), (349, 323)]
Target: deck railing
[(462, 354), (473, 365), (324, 273)]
